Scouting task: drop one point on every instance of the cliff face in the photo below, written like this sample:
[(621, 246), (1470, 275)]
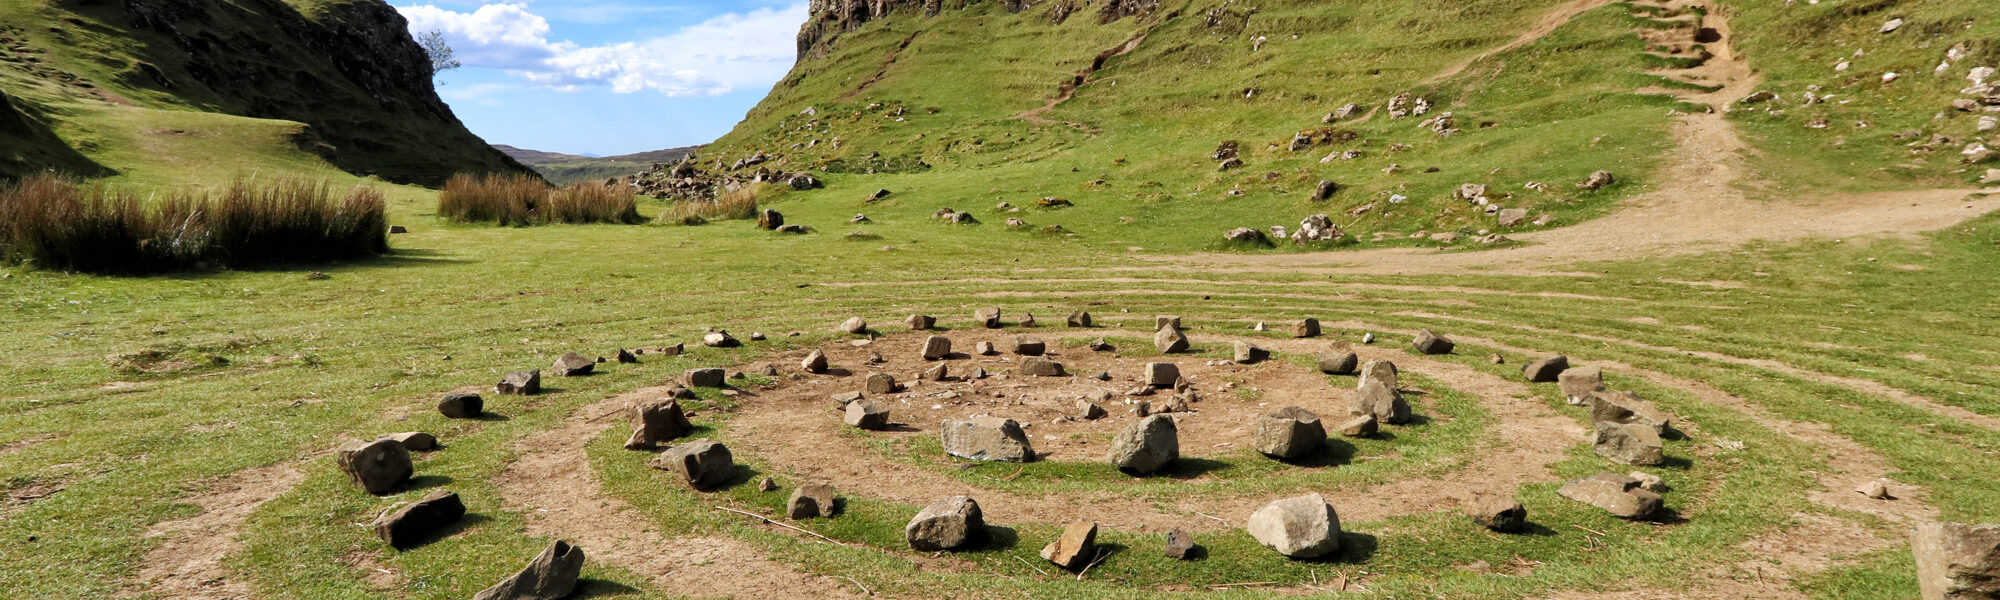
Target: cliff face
[(830, 18)]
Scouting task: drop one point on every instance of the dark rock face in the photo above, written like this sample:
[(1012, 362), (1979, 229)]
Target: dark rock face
[(1957, 561), (1499, 514), (404, 525), (379, 466), (703, 463), (551, 575), (830, 18), (460, 405), (656, 422), (520, 383), (945, 525)]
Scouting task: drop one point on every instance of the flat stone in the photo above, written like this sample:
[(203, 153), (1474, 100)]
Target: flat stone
[(520, 383), (572, 365), (1627, 408), (706, 378), (1616, 494), (1628, 443), (1076, 548), (986, 438), (406, 525)]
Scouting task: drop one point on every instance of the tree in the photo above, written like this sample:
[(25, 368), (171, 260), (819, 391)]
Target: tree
[(439, 52)]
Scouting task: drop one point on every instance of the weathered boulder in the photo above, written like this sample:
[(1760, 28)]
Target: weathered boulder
[(415, 441), (1380, 371), (986, 438), (1302, 527), (1628, 443), (1546, 370), (1580, 383), (656, 422), (1498, 513), (1956, 561), (947, 524), (813, 500), (702, 463), (937, 347), (1076, 548), (1146, 446), (1247, 353), (1616, 494), (987, 317), (1429, 342), (1079, 319), (1028, 346), (550, 576), (1628, 408), (814, 363), (1289, 433), (520, 383), (1162, 374), (706, 378), (378, 466), (921, 322), (1360, 427), (881, 383), (1041, 366), (1306, 328), (405, 525), (1338, 362), (573, 364), (854, 325), (1180, 545), (461, 405), (867, 414), (1385, 403), (1170, 340)]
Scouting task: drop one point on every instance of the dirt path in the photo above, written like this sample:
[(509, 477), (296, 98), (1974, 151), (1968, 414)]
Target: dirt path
[(554, 485), (1547, 24), (796, 432), (1698, 203), (1068, 88), (188, 566), (888, 60)]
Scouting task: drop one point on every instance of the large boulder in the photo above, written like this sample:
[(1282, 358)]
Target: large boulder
[(1429, 342), (937, 347), (572, 364), (1498, 513), (1076, 548), (1579, 383), (655, 422), (947, 524), (520, 383), (1385, 403), (813, 500), (1616, 494), (1170, 340), (1162, 374), (550, 576), (1957, 561), (378, 466), (1302, 527), (406, 525), (708, 378), (1289, 433), (1041, 366), (1546, 370), (702, 463), (1627, 408), (867, 414), (1378, 371), (1628, 443), (987, 317), (1146, 446), (986, 438), (461, 405)]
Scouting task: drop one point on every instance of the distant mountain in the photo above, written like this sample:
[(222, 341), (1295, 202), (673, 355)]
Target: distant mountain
[(564, 169)]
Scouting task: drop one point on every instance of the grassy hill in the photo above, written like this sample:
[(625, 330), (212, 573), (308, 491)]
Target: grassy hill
[(333, 82), (565, 169)]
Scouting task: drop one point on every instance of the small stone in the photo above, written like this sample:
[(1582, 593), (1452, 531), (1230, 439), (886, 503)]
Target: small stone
[(1429, 342), (1306, 328), (461, 405), (986, 438), (1337, 362), (1360, 427), (984, 349), (1877, 489), (1546, 370), (415, 441), (987, 317), (572, 365), (810, 501), (1497, 513), (1076, 547), (1580, 383), (1180, 545), (1165, 321), (626, 357), (405, 525), (1247, 354), (1627, 407), (719, 339), (520, 383), (705, 378), (1088, 411), (921, 322), (767, 485), (867, 414), (1170, 340), (881, 383), (937, 347), (702, 463), (937, 372), (814, 363), (1302, 527), (947, 524), (855, 325), (1041, 366), (1146, 446), (843, 399), (1649, 482), (1027, 319)]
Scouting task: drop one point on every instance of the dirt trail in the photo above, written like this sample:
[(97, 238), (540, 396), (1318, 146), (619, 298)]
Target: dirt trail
[(1547, 24), (797, 433), (1068, 88), (188, 565), (888, 60), (1698, 203), (554, 485)]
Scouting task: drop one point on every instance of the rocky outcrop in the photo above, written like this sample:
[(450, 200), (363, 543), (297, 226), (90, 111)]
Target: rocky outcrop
[(830, 18)]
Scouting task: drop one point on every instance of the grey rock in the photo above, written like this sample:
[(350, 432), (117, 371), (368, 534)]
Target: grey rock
[(520, 383), (1380, 371), (461, 405), (378, 466), (815, 500), (1041, 366), (1338, 362), (1957, 561), (986, 438), (1249, 354), (573, 364), (947, 524), (1027, 346), (1429, 342), (1498, 513), (1162, 374), (655, 422), (1579, 383), (405, 525), (1360, 427), (1076, 548), (867, 414), (987, 317), (1079, 319), (1628, 443), (550, 576), (1088, 411), (937, 347), (1302, 527), (1289, 433), (881, 383), (1146, 446), (1628, 408), (814, 363), (854, 325), (921, 322), (706, 378), (702, 463), (1180, 545), (1170, 340), (1616, 494), (1387, 405), (1306, 328), (1546, 370)]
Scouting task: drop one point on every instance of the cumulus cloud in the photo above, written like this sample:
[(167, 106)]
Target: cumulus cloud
[(713, 57)]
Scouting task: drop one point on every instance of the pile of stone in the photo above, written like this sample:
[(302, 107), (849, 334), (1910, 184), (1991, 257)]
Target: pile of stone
[(1377, 397), (1404, 105), (1316, 228), (686, 181), (1627, 428)]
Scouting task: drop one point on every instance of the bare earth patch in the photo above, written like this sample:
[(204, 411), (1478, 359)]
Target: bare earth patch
[(189, 564)]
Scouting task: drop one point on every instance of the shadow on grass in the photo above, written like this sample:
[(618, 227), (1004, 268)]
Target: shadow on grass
[(469, 521), (424, 482), (601, 588), (995, 538), (1334, 453), (1190, 468)]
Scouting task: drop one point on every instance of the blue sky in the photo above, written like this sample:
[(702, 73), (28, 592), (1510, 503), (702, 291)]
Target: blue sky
[(608, 77)]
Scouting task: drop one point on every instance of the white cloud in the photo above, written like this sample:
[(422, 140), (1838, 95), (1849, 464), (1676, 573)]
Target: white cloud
[(709, 58)]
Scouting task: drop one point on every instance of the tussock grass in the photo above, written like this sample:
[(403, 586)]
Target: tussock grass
[(55, 223), (736, 203), (521, 200)]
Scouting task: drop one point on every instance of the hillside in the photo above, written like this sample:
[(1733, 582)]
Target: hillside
[(565, 169), (106, 76), (1124, 109)]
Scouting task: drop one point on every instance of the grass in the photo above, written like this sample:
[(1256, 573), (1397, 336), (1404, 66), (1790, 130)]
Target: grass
[(734, 203), (48, 222), (526, 200)]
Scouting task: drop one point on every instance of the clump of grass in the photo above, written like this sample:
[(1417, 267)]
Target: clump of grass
[(55, 223), (509, 199), (734, 203)]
